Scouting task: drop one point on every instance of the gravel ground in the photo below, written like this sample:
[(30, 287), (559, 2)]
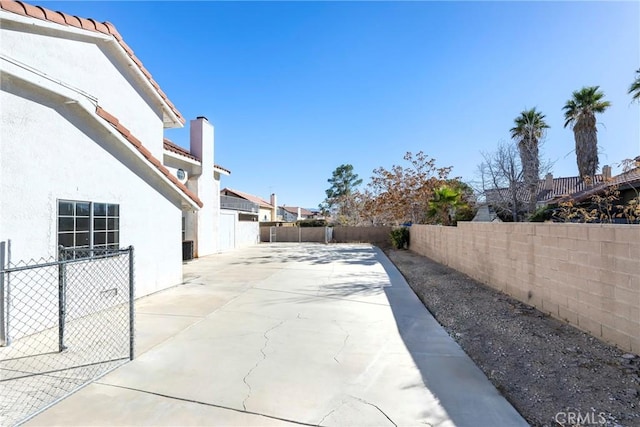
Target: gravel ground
[(552, 373)]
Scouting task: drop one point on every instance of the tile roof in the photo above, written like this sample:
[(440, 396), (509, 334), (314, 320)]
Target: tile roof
[(628, 179), (175, 148), (562, 187), (255, 199), (222, 169), (89, 24), (294, 210), (113, 121)]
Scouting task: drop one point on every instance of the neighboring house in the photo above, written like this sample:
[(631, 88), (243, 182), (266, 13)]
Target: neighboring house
[(82, 159), (552, 191), (627, 183), (294, 213), (253, 208), (499, 202)]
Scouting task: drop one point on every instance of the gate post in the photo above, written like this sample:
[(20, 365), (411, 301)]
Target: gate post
[(62, 285), (131, 306), (3, 330)]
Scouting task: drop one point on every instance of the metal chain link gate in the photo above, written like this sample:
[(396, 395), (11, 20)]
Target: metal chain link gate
[(63, 323)]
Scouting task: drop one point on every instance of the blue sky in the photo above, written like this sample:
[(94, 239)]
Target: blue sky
[(295, 89)]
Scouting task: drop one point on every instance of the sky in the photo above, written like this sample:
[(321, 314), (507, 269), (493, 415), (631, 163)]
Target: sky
[(295, 89)]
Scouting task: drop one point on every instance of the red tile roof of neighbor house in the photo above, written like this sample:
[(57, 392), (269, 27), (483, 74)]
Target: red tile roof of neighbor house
[(113, 121), (255, 199), (561, 187), (628, 179), (175, 148), (89, 24), (294, 210)]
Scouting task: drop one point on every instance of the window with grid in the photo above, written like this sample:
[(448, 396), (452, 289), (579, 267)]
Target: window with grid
[(88, 225)]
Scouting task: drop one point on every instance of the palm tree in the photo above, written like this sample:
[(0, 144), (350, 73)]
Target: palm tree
[(634, 89), (529, 129), (443, 205), (580, 113)]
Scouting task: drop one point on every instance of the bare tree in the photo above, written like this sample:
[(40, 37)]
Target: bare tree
[(501, 181)]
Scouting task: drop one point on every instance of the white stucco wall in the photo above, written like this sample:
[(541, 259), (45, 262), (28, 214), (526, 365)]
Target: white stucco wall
[(89, 63), (265, 214), (247, 233), (50, 151)]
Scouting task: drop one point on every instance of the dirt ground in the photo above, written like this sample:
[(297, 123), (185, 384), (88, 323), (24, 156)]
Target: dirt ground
[(551, 372)]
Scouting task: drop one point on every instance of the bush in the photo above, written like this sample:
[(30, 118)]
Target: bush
[(312, 223), (400, 237), (542, 214)]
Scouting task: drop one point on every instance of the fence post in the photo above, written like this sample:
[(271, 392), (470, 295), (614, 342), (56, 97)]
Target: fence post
[(131, 306), (62, 285), (3, 331)]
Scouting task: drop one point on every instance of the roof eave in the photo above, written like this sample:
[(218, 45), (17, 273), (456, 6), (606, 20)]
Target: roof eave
[(105, 32)]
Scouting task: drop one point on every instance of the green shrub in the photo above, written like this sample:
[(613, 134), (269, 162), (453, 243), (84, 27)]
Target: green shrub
[(542, 214), (312, 223), (400, 237)]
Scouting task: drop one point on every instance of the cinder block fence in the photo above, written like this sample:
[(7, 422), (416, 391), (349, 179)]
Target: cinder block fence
[(586, 274)]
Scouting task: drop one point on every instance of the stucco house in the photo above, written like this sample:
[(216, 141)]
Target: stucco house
[(295, 213), (263, 212), (553, 191), (83, 162)]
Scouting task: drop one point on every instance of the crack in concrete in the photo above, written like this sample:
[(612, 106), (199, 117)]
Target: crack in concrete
[(264, 356), (377, 407), (323, 418), (331, 412), (344, 343)]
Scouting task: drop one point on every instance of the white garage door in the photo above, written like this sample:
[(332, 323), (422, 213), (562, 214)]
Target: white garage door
[(227, 231)]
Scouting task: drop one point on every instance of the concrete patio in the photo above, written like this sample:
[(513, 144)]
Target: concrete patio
[(289, 334)]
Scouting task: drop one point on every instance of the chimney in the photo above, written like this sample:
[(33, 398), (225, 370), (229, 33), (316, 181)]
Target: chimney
[(274, 207), (548, 182), (299, 215), (202, 223), (606, 173), (201, 138)]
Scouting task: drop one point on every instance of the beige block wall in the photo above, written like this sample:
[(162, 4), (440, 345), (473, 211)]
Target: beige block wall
[(586, 274), (294, 234), (376, 235)]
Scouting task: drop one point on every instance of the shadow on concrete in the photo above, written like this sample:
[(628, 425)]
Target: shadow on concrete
[(314, 254), (474, 401)]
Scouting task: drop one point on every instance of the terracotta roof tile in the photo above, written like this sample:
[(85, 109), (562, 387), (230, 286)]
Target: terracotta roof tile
[(54, 17), (13, 6), (135, 141), (628, 179), (34, 11), (127, 49), (222, 168), (294, 210), (100, 26), (38, 12), (255, 199), (562, 188), (87, 24), (174, 148), (72, 20), (113, 121)]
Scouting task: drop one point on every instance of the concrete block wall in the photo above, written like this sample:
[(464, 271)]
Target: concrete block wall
[(585, 274), (376, 235), (294, 234)]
